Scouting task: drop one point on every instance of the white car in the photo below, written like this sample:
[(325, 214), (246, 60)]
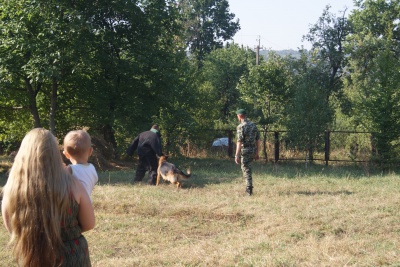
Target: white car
[(224, 141)]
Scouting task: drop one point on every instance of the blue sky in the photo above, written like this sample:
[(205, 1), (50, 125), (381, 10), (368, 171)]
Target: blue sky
[(280, 24)]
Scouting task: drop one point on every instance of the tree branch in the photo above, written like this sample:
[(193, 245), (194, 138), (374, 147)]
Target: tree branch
[(12, 108)]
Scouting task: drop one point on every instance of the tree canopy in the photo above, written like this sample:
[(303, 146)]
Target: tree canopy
[(116, 67), (207, 24)]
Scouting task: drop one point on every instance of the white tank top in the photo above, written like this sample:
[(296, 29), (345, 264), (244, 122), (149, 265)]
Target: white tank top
[(87, 175)]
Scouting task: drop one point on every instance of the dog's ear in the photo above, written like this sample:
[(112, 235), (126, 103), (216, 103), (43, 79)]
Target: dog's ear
[(162, 156)]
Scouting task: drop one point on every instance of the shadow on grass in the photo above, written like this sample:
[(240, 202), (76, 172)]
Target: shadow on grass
[(313, 193), (208, 171), (292, 170), (203, 173)]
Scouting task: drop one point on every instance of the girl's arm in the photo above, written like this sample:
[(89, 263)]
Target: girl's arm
[(4, 213), (86, 216)]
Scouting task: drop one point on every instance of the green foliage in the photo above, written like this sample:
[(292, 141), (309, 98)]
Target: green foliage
[(266, 89), (135, 64), (318, 81), (327, 37), (309, 112), (36, 51), (100, 65), (375, 74), (117, 67), (221, 74), (204, 99), (207, 24)]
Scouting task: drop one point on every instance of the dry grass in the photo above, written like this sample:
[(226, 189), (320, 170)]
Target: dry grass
[(296, 217)]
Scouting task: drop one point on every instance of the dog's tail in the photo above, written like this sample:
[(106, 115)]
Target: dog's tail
[(185, 175)]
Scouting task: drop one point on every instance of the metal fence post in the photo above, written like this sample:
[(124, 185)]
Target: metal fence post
[(276, 146), (327, 146)]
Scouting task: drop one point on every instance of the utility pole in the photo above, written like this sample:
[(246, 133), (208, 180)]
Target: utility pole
[(258, 51)]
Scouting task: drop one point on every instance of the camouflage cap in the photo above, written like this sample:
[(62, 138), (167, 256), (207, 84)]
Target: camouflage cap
[(241, 111)]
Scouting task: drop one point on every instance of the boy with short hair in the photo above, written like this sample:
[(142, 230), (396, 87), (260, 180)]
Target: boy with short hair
[(78, 149)]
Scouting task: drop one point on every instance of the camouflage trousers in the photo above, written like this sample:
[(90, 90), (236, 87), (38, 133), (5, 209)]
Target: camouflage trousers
[(247, 156)]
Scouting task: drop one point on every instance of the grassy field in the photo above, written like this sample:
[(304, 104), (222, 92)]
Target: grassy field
[(298, 216)]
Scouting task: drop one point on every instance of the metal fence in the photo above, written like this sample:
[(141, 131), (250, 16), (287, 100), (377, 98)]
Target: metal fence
[(333, 146)]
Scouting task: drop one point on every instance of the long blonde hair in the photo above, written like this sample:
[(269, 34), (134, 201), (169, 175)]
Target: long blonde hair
[(38, 190)]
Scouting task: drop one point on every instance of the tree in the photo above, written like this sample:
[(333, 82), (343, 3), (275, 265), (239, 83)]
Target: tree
[(309, 112), (374, 84), (134, 64), (318, 79), (327, 37), (36, 52), (208, 23), (101, 64), (221, 74), (266, 89)]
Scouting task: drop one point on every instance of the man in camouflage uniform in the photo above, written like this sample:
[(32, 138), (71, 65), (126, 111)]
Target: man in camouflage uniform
[(247, 147)]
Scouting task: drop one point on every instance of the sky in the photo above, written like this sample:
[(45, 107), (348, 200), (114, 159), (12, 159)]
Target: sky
[(280, 24)]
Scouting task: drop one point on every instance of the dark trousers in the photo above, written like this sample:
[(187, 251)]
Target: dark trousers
[(147, 163)]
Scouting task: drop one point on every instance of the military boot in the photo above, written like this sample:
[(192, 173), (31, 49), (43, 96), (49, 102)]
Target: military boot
[(249, 190)]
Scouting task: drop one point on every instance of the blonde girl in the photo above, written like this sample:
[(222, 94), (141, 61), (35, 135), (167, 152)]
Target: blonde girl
[(44, 208)]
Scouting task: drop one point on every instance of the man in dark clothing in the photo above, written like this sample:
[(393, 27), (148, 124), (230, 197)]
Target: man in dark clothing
[(148, 145)]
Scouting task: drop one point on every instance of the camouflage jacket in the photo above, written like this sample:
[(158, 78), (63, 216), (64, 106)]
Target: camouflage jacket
[(247, 134)]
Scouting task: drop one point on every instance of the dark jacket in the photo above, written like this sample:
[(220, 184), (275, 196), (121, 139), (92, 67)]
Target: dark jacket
[(146, 143)]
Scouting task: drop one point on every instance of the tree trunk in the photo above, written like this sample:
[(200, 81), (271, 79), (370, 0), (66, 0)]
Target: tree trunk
[(53, 107), (311, 154), (109, 137), (32, 93)]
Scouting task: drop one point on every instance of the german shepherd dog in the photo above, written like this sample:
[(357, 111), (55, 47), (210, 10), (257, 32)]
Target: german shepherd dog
[(170, 172)]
